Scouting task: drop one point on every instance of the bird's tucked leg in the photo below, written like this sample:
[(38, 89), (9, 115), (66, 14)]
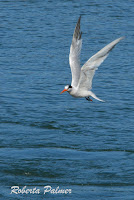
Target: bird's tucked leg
[(88, 98)]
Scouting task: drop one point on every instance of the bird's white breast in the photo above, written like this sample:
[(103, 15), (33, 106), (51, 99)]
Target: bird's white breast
[(79, 93)]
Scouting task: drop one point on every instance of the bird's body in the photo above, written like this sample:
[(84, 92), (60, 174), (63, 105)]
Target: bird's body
[(82, 77), (79, 93)]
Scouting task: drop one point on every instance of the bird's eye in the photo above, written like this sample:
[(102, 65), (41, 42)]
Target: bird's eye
[(70, 86)]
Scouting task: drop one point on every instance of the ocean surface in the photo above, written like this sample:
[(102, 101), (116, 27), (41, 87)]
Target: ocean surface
[(54, 146)]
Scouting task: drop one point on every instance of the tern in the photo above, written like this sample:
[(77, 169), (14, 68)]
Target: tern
[(82, 77)]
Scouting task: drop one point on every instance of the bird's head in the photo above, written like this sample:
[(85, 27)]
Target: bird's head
[(67, 88)]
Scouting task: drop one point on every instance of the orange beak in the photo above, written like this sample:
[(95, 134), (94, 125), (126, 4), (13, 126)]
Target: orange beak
[(63, 91)]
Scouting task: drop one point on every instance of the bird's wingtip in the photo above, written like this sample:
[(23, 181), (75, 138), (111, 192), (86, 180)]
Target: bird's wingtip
[(122, 38), (79, 19)]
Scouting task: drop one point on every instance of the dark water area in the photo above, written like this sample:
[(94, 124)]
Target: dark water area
[(48, 139)]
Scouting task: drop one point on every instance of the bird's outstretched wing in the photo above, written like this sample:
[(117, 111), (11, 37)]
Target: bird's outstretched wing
[(74, 56), (88, 69)]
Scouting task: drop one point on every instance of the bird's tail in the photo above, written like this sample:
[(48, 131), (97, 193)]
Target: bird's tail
[(95, 97)]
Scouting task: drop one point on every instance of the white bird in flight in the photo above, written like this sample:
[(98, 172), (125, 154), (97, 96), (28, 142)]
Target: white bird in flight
[(82, 77)]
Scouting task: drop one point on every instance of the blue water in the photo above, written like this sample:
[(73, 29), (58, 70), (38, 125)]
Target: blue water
[(48, 139)]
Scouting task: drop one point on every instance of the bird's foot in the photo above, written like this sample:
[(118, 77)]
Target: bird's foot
[(88, 98)]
